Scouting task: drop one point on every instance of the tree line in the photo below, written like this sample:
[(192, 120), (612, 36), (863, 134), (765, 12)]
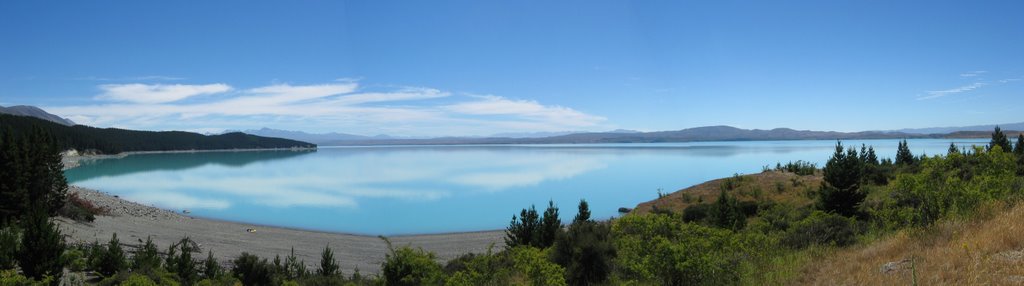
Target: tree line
[(114, 140)]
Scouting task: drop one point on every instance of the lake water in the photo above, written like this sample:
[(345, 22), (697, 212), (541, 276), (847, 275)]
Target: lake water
[(433, 189)]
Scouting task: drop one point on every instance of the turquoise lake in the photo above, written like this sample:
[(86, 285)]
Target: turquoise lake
[(393, 190)]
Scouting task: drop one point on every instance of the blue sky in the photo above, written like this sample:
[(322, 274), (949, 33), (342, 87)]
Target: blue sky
[(421, 68)]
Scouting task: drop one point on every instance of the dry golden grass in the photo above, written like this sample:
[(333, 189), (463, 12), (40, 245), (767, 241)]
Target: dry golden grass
[(988, 250), (771, 185)]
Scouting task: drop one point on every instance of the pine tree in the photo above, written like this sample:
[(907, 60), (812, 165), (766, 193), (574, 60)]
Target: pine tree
[(550, 226), (999, 139), (45, 182), (727, 213), (524, 229), (183, 264), (872, 158), (41, 245), (328, 266), (146, 257), (211, 270), (952, 149), (583, 212), (903, 155), (113, 259), (840, 191), (12, 177)]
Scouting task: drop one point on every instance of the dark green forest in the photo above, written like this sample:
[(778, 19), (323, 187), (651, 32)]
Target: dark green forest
[(113, 140)]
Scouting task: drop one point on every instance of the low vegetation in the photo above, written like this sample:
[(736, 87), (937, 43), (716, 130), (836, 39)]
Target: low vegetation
[(949, 219)]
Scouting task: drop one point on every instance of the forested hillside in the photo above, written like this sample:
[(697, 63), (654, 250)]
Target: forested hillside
[(113, 140)]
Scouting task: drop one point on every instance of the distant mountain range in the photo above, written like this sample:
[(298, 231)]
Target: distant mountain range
[(25, 110), (707, 133), (944, 130), (316, 138)]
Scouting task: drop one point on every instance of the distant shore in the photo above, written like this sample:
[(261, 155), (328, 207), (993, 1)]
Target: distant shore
[(133, 222)]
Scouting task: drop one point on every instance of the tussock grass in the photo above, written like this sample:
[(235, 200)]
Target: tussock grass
[(985, 250)]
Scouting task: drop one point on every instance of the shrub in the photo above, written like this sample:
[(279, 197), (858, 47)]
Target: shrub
[(697, 212), (408, 266), (12, 278), (586, 252), (727, 213), (483, 269), (79, 209), (251, 270), (531, 267), (9, 245), (75, 259), (138, 280), (823, 229), (664, 250)]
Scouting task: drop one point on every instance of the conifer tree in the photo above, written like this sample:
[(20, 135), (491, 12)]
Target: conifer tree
[(727, 213), (582, 213), (550, 226), (211, 270), (41, 245), (903, 155), (146, 257), (952, 149), (523, 229), (840, 191), (113, 259), (999, 139), (872, 159), (328, 266)]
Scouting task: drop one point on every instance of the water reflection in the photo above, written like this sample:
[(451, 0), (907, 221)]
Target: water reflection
[(394, 189)]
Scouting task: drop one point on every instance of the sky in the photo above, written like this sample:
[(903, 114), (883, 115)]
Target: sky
[(474, 68)]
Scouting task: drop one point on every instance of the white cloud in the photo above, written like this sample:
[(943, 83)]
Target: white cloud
[(496, 105), (338, 106), (972, 73), (941, 93), (157, 93)]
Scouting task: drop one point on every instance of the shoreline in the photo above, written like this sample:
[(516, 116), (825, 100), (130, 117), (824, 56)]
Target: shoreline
[(133, 222)]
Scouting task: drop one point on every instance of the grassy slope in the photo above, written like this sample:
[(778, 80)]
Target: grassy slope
[(771, 185), (988, 250)]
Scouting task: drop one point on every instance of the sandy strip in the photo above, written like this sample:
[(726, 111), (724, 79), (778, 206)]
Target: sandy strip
[(133, 222)]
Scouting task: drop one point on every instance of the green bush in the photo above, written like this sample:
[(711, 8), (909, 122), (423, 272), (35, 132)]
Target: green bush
[(823, 229), (697, 212), (408, 266), (479, 269), (9, 245), (586, 252), (138, 280), (663, 249), (251, 270), (531, 267), (12, 278), (75, 259)]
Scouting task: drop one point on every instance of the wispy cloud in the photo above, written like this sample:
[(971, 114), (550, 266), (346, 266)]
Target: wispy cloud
[(973, 73), (940, 93), (157, 93), (131, 78), (496, 105), (335, 106)]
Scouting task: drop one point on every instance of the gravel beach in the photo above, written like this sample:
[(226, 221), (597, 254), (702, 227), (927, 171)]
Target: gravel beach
[(133, 222)]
